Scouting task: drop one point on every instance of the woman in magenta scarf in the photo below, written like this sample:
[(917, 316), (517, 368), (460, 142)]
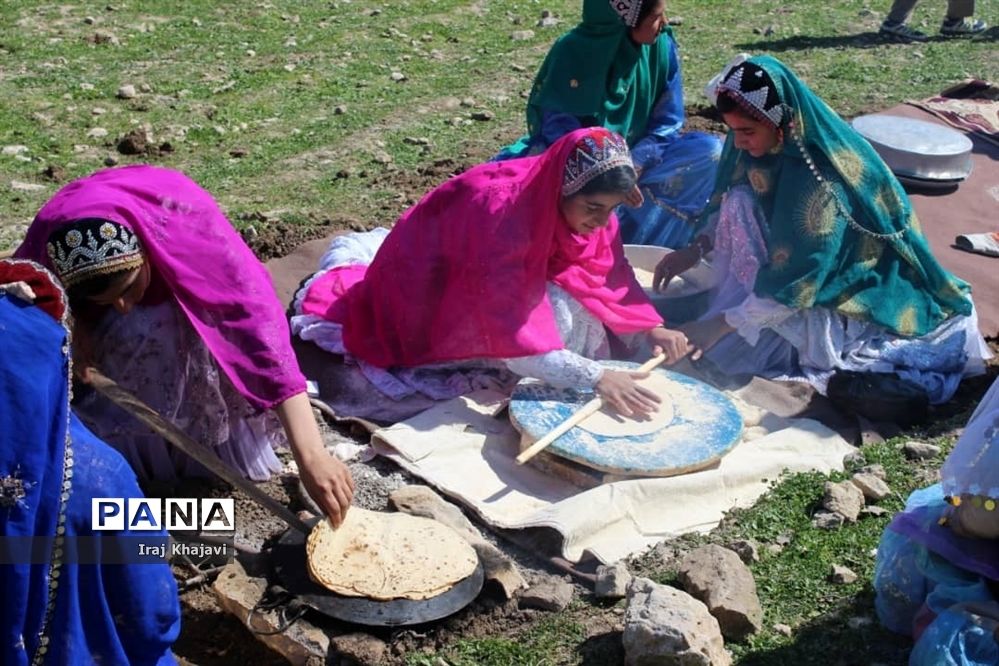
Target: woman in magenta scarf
[(171, 304), (514, 265)]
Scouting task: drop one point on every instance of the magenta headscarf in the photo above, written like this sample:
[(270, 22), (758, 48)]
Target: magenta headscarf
[(462, 274), (222, 288)]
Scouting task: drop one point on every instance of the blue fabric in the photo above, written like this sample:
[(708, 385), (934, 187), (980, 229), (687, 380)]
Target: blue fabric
[(677, 169), (956, 638), (107, 614), (913, 583)]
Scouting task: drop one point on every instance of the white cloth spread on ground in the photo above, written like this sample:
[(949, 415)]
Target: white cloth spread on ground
[(461, 448)]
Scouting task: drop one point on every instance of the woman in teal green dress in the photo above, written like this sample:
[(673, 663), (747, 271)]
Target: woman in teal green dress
[(821, 263), (620, 69)]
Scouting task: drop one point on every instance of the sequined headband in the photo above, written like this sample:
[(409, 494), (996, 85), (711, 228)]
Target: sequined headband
[(87, 248), (628, 10), (751, 87), (594, 154)]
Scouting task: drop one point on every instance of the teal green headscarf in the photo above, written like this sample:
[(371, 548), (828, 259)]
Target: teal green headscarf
[(596, 72), (841, 232)]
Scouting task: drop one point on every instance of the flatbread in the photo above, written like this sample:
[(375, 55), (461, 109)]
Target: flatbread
[(611, 423), (385, 556)]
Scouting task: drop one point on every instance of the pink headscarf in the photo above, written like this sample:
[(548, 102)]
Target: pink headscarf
[(219, 284), (462, 274)]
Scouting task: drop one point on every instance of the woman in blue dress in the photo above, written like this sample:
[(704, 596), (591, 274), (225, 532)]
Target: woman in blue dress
[(619, 68), (70, 595)]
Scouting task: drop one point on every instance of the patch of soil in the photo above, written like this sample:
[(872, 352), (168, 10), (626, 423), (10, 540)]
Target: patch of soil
[(704, 119), (270, 238)]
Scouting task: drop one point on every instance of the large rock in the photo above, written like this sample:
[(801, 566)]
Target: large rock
[(873, 488), (717, 577), (916, 450), (554, 595), (664, 626), (423, 501), (238, 593), (363, 649), (843, 498), (612, 581)]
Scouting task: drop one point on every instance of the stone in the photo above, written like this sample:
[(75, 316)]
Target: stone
[(381, 157), (497, 566), (398, 77), (782, 629), (97, 133), (126, 91), (98, 111), (522, 35), (874, 510), (468, 102), (664, 625), (720, 579), (842, 575), (482, 116), (827, 520), (874, 470), (110, 161), (843, 498), (365, 649), (554, 595), (339, 109), (20, 186), (15, 149), (239, 152), (89, 20), (417, 140), (238, 593), (747, 550), (612, 581), (914, 450), (104, 37), (145, 88), (518, 68), (774, 549), (854, 458), (873, 488), (548, 22)]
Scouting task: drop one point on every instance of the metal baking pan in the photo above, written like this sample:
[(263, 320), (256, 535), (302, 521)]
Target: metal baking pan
[(916, 148)]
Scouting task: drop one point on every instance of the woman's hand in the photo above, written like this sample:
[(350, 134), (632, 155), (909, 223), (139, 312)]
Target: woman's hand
[(326, 479), (674, 264), (674, 344), (620, 391), (635, 198)]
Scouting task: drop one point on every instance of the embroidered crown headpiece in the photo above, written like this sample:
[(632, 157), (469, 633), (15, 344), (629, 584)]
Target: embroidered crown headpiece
[(89, 247), (596, 153), (628, 10), (753, 89)]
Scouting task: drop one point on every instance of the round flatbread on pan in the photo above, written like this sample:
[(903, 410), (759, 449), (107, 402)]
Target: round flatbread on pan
[(385, 556)]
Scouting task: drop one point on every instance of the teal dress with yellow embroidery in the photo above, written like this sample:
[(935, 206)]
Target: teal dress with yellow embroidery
[(845, 279)]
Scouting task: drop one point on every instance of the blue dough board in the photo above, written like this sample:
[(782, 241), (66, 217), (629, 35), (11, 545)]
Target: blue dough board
[(693, 440)]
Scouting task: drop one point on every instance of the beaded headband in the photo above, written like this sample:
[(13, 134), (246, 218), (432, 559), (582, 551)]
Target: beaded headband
[(751, 87), (90, 247), (596, 153), (628, 10)]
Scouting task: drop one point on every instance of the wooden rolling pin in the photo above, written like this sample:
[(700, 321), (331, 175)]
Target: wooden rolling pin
[(178, 438), (589, 408)]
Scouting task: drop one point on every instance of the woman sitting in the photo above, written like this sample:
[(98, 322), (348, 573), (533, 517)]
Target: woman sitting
[(511, 267), (821, 263), (937, 573), (170, 303), (619, 69), (67, 599)]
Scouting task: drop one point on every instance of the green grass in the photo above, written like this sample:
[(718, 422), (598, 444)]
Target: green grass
[(266, 79)]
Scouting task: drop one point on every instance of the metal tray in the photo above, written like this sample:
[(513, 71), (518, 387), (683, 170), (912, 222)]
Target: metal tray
[(288, 556), (916, 148)]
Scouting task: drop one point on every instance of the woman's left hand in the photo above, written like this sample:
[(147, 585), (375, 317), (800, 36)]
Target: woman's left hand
[(635, 197), (673, 344)]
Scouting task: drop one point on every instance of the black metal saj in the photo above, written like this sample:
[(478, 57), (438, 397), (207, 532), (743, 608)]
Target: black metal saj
[(288, 556)]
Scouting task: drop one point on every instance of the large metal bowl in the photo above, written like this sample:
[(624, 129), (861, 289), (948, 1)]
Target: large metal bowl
[(685, 297), (917, 149)]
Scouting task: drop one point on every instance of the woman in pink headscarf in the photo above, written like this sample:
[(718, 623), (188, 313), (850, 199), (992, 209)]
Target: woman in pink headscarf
[(511, 267), (171, 304)]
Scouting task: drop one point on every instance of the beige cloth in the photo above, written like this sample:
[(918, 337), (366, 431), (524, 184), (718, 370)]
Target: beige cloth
[(461, 448)]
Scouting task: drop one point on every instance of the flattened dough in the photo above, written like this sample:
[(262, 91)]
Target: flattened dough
[(385, 556), (610, 423)]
